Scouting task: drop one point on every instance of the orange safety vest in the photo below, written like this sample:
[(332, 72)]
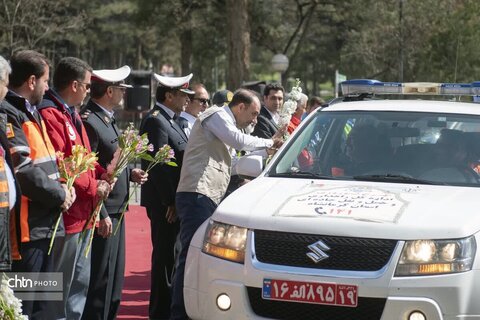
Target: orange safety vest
[(42, 154)]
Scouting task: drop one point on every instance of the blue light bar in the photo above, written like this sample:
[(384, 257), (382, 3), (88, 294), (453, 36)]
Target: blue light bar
[(369, 86), (457, 88)]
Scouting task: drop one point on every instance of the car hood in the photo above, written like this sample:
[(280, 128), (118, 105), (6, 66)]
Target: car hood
[(354, 209)]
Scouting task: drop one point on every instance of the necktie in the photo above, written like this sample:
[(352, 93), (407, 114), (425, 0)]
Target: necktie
[(75, 120), (114, 125), (182, 122)]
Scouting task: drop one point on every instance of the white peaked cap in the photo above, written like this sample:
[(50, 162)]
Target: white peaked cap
[(180, 83), (113, 75)]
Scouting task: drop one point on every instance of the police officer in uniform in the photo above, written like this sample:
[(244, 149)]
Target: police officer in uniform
[(108, 250), (158, 193)]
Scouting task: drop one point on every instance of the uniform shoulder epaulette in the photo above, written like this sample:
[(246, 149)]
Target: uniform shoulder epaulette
[(155, 113), (85, 113)]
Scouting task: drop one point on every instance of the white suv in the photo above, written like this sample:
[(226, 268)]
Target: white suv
[(369, 211)]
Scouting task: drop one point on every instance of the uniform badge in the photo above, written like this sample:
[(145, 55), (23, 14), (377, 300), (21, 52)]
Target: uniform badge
[(85, 115), (107, 119), (71, 132), (9, 132), (155, 113)]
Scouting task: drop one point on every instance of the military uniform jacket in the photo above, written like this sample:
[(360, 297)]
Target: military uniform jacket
[(265, 127), (103, 134), (36, 171), (163, 179)]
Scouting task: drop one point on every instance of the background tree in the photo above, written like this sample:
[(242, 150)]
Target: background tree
[(429, 40), (238, 40), (37, 24)]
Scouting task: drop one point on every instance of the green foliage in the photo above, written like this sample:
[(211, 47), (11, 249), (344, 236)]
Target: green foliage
[(428, 40)]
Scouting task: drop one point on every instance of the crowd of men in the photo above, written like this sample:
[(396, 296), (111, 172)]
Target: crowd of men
[(37, 121)]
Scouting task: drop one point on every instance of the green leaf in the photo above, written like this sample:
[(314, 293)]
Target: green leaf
[(146, 156)]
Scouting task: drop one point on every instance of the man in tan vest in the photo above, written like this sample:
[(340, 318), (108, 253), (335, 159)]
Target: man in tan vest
[(206, 170)]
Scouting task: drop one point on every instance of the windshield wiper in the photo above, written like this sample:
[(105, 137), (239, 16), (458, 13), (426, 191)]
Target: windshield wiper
[(302, 174), (395, 178)]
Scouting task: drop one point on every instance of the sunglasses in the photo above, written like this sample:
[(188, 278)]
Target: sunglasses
[(87, 85), (202, 101)]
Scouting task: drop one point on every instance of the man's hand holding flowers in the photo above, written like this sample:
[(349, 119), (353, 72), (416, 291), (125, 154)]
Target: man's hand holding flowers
[(278, 139), (105, 227), (104, 188), (163, 156), (131, 146), (70, 168), (70, 197), (139, 176)]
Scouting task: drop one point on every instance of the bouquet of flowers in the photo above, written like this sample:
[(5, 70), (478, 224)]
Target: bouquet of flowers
[(10, 306), (70, 168), (131, 146), (290, 105), (164, 155)]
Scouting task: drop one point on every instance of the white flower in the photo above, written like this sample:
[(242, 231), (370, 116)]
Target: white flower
[(290, 105), (296, 92), (9, 304)]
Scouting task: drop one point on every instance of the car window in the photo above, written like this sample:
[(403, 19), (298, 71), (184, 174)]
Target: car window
[(430, 147)]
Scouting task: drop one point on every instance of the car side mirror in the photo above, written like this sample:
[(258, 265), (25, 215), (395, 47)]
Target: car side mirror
[(249, 166)]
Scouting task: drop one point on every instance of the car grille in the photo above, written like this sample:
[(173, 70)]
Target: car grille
[(354, 254), (367, 309)]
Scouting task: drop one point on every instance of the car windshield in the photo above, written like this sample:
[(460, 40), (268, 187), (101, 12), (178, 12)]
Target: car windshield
[(406, 147)]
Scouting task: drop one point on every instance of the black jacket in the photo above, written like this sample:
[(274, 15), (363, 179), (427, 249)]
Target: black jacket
[(265, 127), (103, 134), (163, 180), (5, 217), (35, 172)]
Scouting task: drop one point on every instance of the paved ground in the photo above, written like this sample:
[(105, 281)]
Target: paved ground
[(136, 291)]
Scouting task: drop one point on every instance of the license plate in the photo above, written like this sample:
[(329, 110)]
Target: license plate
[(310, 292)]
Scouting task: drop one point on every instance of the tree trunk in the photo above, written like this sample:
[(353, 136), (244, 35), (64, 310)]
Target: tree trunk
[(139, 55), (238, 37), (186, 52)]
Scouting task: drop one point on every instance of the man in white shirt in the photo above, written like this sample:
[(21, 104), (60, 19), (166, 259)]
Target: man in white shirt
[(206, 171), (199, 102), (158, 193)]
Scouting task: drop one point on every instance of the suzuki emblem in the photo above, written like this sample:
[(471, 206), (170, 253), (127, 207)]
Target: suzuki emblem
[(317, 251)]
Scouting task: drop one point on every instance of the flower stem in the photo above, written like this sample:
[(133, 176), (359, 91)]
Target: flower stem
[(93, 219), (69, 183), (125, 208), (52, 240)]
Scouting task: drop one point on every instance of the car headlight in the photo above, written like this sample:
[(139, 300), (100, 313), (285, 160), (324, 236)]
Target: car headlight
[(225, 241), (427, 257)]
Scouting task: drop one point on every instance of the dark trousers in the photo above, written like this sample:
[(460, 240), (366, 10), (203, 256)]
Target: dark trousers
[(35, 258), (163, 236), (106, 274), (192, 210)]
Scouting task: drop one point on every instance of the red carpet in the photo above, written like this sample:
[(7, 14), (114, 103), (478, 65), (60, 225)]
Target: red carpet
[(136, 290)]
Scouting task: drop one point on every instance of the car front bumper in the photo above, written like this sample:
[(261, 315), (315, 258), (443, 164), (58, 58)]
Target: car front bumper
[(381, 295)]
